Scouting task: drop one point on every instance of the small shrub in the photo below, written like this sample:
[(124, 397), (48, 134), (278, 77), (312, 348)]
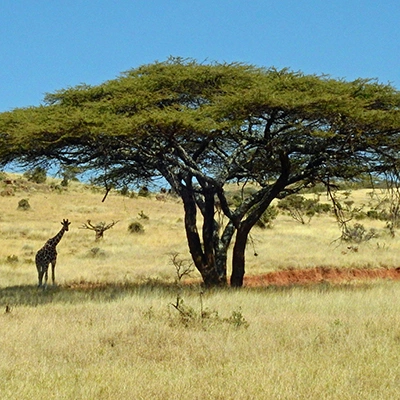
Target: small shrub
[(322, 208), (144, 192), (299, 208), (373, 214), (187, 314), (7, 192), (237, 319), (182, 267), (124, 191), (36, 175), (24, 205), (358, 234), (68, 174), (13, 259), (135, 227), (143, 216), (204, 317)]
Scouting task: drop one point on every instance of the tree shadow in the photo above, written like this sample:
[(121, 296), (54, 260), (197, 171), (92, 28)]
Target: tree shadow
[(85, 291), (80, 292)]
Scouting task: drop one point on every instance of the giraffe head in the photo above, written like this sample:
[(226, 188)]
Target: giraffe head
[(65, 223)]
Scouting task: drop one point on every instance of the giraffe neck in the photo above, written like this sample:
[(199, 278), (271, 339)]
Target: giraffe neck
[(56, 239)]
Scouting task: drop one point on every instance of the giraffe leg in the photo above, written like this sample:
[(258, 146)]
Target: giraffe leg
[(40, 276), (46, 276), (53, 270)]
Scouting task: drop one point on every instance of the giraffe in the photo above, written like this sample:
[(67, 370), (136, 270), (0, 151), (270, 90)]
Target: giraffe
[(48, 255)]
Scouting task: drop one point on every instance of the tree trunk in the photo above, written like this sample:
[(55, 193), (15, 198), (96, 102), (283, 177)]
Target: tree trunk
[(238, 258), (243, 230), (204, 261), (208, 229)]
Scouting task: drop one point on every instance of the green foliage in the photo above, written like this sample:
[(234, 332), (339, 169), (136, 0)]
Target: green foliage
[(302, 209), (68, 174), (268, 217), (376, 214), (237, 319), (36, 175), (125, 191), (144, 192), (236, 197)]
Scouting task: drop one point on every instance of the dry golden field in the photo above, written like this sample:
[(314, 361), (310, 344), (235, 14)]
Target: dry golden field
[(108, 329), (123, 256)]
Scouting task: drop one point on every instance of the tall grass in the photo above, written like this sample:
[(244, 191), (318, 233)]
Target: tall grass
[(323, 342), (109, 330)]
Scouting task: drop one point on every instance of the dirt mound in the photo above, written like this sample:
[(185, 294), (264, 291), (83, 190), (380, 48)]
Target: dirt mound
[(320, 275)]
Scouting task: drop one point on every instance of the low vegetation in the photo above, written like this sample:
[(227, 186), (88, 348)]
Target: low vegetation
[(128, 318)]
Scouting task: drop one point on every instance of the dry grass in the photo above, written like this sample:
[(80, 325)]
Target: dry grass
[(124, 256), (306, 344), (109, 331)]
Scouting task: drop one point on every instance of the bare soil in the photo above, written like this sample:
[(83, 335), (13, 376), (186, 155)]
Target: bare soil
[(289, 277), (320, 275)]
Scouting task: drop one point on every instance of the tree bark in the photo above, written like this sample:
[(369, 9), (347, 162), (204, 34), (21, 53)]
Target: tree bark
[(208, 229), (238, 258), (204, 261)]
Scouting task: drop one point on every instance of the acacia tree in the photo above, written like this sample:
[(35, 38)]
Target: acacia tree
[(201, 127)]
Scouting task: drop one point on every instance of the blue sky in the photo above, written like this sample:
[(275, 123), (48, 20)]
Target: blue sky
[(46, 45)]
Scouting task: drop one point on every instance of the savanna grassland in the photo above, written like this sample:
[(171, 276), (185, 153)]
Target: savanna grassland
[(109, 329)]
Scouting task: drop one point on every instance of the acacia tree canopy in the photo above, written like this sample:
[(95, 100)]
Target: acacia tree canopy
[(202, 126)]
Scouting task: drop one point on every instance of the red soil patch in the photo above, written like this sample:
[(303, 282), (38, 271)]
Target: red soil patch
[(287, 277), (320, 275)]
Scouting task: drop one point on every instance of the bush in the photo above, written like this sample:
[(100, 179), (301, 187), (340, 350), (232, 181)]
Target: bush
[(37, 175), (358, 234), (135, 227), (205, 318), (24, 205), (69, 174), (124, 191), (144, 192), (13, 259), (302, 209)]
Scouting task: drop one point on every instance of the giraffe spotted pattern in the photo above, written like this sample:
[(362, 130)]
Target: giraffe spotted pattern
[(48, 255)]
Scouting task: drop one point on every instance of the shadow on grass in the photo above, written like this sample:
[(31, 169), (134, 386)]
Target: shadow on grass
[(81, 292), (75, 293)]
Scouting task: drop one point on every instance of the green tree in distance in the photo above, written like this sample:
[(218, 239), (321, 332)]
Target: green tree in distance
[(202, 126)]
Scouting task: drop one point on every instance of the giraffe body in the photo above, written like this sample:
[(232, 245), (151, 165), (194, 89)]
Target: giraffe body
[(48, 255)]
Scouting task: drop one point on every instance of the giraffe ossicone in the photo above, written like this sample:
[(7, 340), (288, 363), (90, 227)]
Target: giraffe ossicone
[(48, 255)]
